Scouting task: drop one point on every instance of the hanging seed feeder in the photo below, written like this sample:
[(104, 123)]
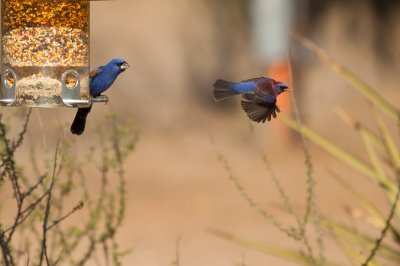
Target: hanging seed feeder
[(45, 53)]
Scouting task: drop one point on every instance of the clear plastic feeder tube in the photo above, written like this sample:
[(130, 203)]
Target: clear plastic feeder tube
[(45, 53)]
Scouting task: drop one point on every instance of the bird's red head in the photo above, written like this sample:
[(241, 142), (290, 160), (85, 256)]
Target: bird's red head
[(280, 87)]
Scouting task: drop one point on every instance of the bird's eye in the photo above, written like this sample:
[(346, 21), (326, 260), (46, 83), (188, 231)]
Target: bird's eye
[(123, 65)]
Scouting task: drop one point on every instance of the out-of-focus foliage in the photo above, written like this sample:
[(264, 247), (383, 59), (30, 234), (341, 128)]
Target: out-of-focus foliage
[(43, 229)]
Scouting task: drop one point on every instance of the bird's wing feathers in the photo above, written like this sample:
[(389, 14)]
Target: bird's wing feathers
[(260, 96), (258, 107), (259, 79), (95, 72), (260, 112), (252, 79)]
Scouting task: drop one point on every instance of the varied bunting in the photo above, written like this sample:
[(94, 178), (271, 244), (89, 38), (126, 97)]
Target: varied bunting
[(258, 96)]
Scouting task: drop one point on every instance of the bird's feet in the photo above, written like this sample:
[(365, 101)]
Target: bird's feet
[(101, 99)]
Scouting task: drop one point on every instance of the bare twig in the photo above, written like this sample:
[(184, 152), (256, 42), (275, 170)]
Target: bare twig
[(21, 135), (7, 258), (26, 212), (56, 222), (253, 204), (177, 261), (35, 186), (11, 172), (311, 206), (47, 211), (286, 201), (387, 225), (89, 252)]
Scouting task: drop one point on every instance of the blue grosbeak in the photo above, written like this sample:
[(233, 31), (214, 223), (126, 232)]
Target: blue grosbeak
[(101, 79), (258, 96)]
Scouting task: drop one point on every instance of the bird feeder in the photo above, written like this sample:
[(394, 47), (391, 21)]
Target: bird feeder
[(45, 53)]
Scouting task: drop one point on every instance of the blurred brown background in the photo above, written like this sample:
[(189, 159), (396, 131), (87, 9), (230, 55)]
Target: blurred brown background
[(176, 185)]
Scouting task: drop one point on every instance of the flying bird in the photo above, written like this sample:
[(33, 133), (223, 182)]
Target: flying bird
[(258, 96), (101, 80)]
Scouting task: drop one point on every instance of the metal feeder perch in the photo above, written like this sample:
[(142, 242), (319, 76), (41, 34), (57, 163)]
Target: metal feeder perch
[(45, 53)]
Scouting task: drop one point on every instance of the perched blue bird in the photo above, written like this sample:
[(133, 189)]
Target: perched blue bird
[(101, 80), (258, 96)]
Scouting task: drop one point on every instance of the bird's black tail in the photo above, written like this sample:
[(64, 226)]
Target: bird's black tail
[(78, 126), (222, 89)]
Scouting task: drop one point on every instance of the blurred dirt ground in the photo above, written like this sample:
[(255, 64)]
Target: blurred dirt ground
[(176, 185)]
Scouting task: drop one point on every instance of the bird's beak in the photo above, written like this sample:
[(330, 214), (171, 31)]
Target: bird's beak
[(283, 86), (125, 66)]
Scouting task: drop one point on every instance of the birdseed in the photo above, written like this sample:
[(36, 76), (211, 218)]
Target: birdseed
[(45, 13), (45, 46)]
